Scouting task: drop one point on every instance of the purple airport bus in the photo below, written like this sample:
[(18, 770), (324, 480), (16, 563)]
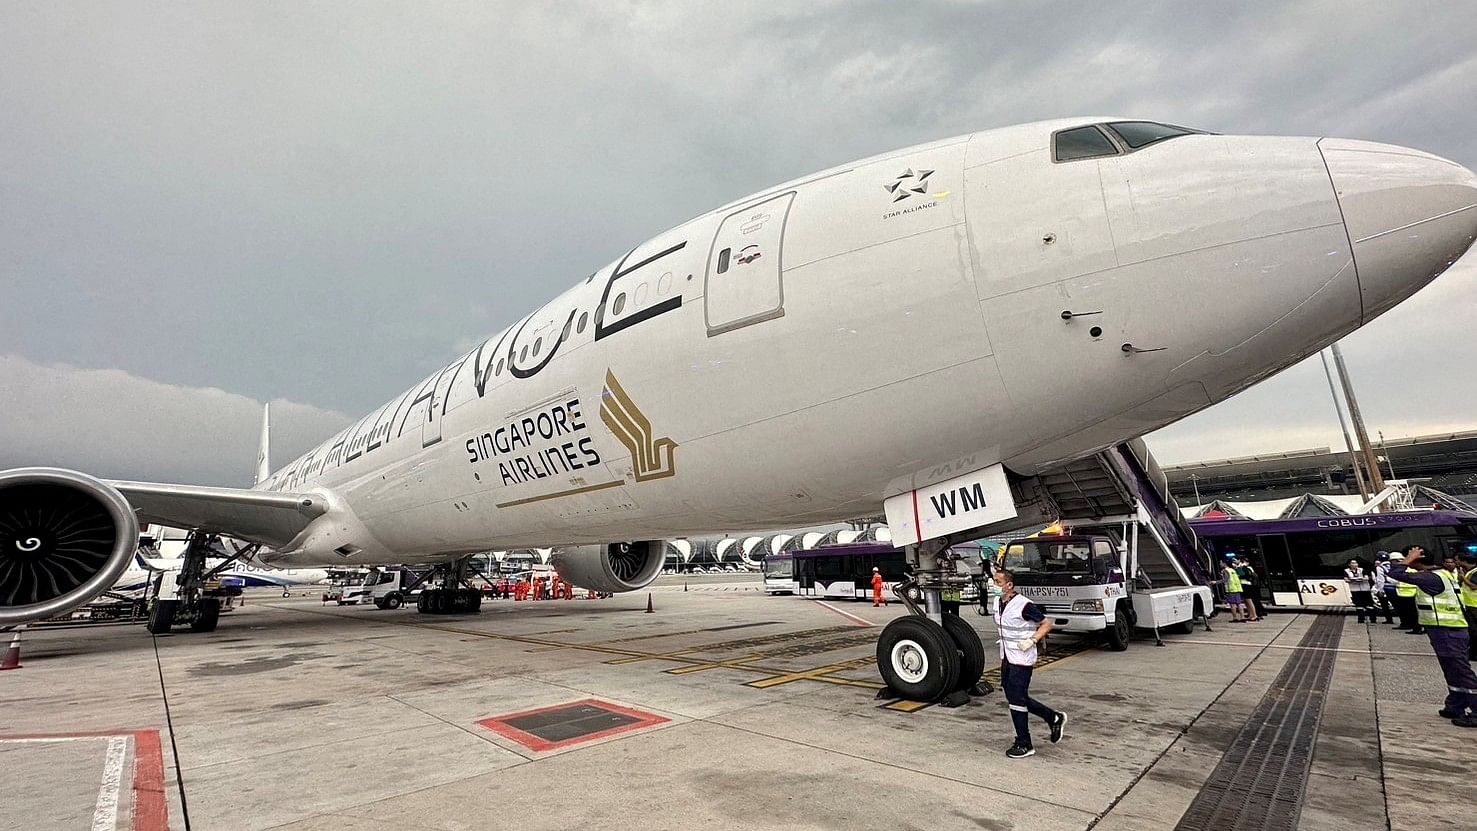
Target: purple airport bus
[(845, 571)]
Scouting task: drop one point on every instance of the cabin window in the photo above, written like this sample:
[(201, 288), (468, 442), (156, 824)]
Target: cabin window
[(1082, 143), (1136, 134), (584, 316)]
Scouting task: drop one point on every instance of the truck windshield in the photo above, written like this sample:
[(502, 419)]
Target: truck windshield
[(1038, 562)]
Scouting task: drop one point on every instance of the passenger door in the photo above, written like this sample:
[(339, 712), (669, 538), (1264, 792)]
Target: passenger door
[(743, 285)]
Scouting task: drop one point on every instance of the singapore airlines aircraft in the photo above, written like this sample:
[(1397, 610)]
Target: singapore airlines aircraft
[(954, 316)]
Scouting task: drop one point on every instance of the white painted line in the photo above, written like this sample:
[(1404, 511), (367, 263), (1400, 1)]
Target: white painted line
[(848, 615), (105, 815)]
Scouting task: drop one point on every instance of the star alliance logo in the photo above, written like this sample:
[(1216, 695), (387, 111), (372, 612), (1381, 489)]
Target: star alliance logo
[(908, 184)]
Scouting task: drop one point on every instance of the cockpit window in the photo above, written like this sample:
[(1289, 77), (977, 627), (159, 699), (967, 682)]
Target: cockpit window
[(1082, 143), (1136, 134)]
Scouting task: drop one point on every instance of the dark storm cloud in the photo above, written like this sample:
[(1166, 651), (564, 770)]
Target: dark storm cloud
[(323, 202)]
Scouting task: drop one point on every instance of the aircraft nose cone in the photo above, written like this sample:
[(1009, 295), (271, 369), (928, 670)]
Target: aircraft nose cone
[(1409, 215)]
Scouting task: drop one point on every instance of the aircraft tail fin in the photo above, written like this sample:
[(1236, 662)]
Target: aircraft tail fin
[(263, 451)]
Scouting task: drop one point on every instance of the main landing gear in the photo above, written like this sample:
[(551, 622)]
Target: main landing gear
[(454, 596), (179, 596), (927, 655)]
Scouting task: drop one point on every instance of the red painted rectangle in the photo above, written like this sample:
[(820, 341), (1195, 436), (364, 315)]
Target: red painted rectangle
[(499, 725), (150, 807)]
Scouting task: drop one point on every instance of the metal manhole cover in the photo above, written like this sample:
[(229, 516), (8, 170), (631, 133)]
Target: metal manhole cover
[(563, 725)]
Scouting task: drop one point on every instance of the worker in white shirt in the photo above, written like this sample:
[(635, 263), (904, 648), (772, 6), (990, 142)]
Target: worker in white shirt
[(1021, 626)]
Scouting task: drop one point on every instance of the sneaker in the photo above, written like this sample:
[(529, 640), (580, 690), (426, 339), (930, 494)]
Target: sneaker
[(1445, 713), (1058, 724), (1415, 632), (1464, 721), (1017, 751)]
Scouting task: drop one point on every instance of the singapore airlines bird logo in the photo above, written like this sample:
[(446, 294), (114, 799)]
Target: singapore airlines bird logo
[(651, 458)]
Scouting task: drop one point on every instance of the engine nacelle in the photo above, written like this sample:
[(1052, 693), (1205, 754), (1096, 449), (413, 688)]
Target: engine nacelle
[(65, 538), (618, 567)]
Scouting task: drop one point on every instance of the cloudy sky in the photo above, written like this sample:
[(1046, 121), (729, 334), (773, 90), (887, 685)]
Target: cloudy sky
[(210, 205)]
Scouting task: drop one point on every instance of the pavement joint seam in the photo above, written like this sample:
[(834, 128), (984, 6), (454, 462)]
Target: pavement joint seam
[(1133, 783)]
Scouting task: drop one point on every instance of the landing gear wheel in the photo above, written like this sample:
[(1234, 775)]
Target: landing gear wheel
[(1119, 633), (917, 659), (161, 617), (971, 651), (392, 602), (209, 615), (286, 593)]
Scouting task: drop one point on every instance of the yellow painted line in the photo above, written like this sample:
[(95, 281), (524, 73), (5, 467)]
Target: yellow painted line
[(731, 663)]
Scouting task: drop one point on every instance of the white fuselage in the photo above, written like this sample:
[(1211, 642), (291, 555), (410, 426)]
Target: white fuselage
[(797, 356)]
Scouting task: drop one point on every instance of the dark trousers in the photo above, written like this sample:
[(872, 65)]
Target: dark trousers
[(1253, 599), (1405, 608), (1016, 681), (1471, 630), (950, 607), (1363, 605), (1383, 600), (1452, 647)]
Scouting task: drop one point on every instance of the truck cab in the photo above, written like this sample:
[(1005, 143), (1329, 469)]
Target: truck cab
[(385, 587), (1082, 581)]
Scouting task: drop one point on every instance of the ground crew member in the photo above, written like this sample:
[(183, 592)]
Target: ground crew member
[(1469, 600), (1384, 587), (1439, 612), (1021, 626), (1405, 603), (1232, 579), (877, 598)]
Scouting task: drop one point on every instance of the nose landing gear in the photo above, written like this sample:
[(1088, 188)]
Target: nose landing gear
[(929, 655)]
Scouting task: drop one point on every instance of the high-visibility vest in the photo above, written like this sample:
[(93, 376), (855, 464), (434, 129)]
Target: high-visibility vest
[(1233, 581), (1013, 628), (950, 595), (1403, 589), (1444, 609), (1469, 594)]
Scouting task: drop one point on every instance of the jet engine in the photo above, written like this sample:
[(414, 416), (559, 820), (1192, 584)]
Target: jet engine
[(618, 567), (65, 538)]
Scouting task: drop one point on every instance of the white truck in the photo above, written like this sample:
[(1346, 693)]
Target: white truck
[(385, 587), (1093, 581)]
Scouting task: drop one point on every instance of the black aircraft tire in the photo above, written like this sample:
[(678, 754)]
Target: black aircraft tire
[(208, 616), (161, 617), (971, 651), (917, 659), (1188, 626), (1119, 633)]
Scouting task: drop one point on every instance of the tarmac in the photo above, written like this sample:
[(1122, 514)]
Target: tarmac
[(724, 708)]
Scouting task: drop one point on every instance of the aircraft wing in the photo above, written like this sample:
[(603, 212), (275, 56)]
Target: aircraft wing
[(268, 517)]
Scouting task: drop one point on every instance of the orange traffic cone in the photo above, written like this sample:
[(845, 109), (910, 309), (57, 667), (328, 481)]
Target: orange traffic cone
[(649, 610), (12, 658)]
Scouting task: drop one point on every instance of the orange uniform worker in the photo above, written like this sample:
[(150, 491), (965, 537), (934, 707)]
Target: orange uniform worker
[(877, 598)]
